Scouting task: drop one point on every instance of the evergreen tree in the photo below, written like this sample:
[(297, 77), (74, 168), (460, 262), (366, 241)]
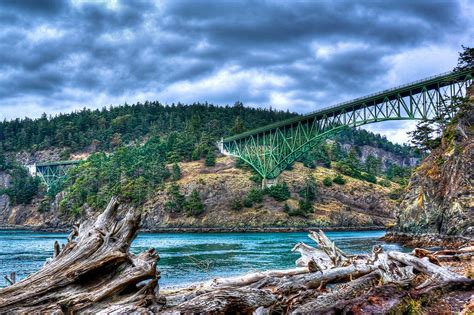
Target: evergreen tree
[(176, 173), (210, 158), (466, 59), (194, 205), (373, 165), (238, 126)]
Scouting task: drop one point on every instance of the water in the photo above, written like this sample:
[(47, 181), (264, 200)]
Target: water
[(189, 257)]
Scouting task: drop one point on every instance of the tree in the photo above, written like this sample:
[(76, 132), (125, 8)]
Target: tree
[(466, 59), (423, 137), (238, 126), (327, 181), (176, 201), (373, 165), (210, 158), (309, 190), (176, 172), (339, 180), (194, 205)]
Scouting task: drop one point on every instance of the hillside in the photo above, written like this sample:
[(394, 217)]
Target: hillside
[(355, 204), (151, 155)]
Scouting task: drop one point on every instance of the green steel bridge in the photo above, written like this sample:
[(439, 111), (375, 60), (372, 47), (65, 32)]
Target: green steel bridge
[(52, 172), (270, 149)]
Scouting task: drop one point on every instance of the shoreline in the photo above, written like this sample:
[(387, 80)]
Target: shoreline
[(208, 229)]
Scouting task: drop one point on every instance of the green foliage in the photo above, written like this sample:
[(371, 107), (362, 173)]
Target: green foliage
[(305, 206), (373, 165), (23, 187), (176, 172), (309, 190), (176, 201), (65, 154), (194, 205), (385, 183), (279, 192), (286, 208), (339, 180), (256, 178), (398, 174), (327, 181), (466, 59), (253, 196), (131, 173), (109, 128), (210, 158), (368, 177), (236, 204)]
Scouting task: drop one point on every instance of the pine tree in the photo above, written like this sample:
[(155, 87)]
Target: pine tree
[(176, 173), (210, 158), (238, 126), (194, 205), (466, 59)]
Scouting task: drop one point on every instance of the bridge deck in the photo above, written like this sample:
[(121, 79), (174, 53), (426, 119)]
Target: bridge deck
[(432, 82), (56, 163)]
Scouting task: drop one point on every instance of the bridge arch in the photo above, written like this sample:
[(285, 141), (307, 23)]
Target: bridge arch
[(270, 149)]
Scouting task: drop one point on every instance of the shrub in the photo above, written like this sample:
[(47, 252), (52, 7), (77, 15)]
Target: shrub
[(339, 180), (286, 208), (305, 206), (385, 183), (253, 196), (256, 178), (236, 204), (369, 178), (327, 181), (279, 192), (210, 159)]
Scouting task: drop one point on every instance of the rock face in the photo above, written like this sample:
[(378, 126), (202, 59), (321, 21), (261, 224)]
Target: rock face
[(439, 198), (386, 157)]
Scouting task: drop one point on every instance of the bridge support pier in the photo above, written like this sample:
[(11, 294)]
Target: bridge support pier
[(266, 182)]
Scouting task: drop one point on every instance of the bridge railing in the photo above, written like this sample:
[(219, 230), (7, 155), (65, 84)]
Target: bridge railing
[(437, 76)]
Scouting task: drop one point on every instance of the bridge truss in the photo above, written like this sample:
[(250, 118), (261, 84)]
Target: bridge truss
[(53, 173), (270, 149)]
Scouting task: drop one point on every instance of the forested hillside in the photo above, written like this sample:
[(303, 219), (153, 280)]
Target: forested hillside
[(135, 152)]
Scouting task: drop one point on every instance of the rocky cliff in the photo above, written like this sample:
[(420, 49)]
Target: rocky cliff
[(439, 198)]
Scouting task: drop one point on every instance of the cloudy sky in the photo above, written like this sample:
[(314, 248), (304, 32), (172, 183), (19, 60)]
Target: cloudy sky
[(58, 56)]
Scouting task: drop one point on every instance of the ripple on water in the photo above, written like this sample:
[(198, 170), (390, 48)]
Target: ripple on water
[(189, 257)]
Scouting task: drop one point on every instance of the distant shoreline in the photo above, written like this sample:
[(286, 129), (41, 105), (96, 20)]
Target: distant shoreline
[(208, 229)]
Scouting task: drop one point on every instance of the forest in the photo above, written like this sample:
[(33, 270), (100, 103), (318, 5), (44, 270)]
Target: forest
[(147, 142)]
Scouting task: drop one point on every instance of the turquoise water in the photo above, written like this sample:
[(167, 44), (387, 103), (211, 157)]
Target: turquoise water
[(188, 257)]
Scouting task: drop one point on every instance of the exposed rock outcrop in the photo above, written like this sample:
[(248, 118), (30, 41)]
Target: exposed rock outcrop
[(439, 198)]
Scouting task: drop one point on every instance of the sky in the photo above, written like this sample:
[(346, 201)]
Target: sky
[(59, 56)]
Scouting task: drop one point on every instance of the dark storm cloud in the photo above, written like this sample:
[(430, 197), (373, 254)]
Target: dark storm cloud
[(299, 55)]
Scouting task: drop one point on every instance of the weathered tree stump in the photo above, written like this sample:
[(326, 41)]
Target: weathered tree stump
[(93, 272)]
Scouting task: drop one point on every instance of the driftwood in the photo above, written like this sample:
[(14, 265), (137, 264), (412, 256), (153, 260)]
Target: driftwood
[(332, 282), (93, 272)]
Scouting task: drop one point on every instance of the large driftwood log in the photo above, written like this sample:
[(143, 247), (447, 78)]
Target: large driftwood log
[(379, 283), (93, 272)]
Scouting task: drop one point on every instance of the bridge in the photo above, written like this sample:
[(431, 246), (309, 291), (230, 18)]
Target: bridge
[(272, 148), (52, 172)]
